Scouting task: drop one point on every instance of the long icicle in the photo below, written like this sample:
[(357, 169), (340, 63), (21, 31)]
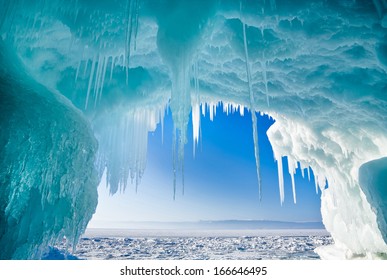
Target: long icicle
[(195, 110), (97, 80), (90, 82), (105, 62), (252, 108), (292, 171), (137, 12), (281, 179), (128, 35), (264, 73)]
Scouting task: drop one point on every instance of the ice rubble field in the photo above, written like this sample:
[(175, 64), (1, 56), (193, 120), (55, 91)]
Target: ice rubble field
[(317, 67), (198, 245)]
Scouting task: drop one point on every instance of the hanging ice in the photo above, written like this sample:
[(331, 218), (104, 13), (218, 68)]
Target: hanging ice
[(252, 106), (122, 63)]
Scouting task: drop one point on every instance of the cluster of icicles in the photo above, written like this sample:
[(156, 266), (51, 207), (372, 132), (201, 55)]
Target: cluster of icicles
[(123, 145), (130, 150)]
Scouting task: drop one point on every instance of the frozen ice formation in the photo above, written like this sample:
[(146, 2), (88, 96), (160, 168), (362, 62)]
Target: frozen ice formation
[(47, 177), (373, 180), (317, 67)]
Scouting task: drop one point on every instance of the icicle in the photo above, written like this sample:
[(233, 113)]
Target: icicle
[(316, 183), (128, 35), (308, 173), (112, 68), (293, 188), (195, 124), (204, 106), (264, 73), (196, 109), (211, 108), (252, 108), (97, 80), (292, 171), (248, 70), (90, 81), (77, 73), (131, 24), (162, 129), (86, 66), (281, 179), (302, 171), (256, 152), (105, 62), (136, 24)]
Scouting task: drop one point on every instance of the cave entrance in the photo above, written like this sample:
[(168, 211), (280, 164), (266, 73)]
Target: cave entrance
[(220, 181)]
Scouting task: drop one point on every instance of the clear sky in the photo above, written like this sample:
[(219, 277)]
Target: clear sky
[(220, 181)]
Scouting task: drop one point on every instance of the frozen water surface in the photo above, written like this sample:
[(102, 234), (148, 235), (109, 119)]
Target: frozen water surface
[(201, 244)]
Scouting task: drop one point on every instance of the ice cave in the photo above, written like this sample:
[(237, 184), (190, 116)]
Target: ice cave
[(82, 83)]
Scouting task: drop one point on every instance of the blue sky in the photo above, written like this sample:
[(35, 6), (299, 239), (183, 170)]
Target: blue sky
[(220, 181)]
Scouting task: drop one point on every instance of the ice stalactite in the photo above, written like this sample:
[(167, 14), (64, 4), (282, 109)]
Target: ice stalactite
[(302, 172), (252, 108), (90, 82), (123, 140), (264, 74), (195, 108), (181, 107), (316, 182), (100, 79), (132, 14), (281, 179), (178, 38), (292, 165), (96, 79), (78, 69)]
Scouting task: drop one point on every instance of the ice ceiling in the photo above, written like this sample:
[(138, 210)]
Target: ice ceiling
[(319, 68)]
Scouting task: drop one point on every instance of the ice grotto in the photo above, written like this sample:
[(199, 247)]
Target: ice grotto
[(83, 82)]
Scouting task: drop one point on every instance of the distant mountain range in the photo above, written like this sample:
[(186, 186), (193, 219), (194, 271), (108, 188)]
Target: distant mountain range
[(261, 224), (223, 225)]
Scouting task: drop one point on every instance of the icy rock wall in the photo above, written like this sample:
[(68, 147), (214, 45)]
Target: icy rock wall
[(48, 183)]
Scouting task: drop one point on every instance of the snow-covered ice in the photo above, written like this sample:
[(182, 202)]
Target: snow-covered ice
[(200, 244)]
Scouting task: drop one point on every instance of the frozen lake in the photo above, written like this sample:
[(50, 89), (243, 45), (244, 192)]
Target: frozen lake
[(201, 244)]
